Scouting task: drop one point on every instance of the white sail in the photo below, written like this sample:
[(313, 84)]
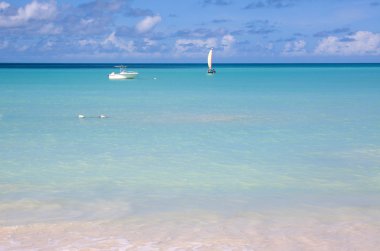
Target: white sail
[(209, 61)]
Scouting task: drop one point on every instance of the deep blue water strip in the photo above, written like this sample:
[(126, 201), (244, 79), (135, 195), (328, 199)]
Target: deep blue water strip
[(177, 65)]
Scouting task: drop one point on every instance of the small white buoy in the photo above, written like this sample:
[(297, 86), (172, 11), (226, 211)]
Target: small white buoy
[(102, 116), (81, 116)]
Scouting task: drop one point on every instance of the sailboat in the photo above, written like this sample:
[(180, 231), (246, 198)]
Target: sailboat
[(209, 61)]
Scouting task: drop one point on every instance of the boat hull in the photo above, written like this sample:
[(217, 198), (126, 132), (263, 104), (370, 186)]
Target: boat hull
[(129, 75), (123, 75)]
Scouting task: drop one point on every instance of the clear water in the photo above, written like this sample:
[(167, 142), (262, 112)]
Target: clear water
[(253, 158)]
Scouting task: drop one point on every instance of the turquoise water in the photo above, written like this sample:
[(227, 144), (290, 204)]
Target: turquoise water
[(180, 144)]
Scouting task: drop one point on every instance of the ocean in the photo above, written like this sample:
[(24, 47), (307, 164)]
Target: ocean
[(255, 157)]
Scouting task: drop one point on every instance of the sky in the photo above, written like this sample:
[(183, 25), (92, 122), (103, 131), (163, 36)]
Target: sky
[(183, 31)]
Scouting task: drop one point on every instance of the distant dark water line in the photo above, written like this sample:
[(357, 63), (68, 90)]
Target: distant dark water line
[(181, 65)]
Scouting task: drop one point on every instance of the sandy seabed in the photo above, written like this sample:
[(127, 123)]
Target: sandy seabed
[(338, 229)]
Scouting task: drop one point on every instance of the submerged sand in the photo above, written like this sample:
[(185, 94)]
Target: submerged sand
[(332, 229)]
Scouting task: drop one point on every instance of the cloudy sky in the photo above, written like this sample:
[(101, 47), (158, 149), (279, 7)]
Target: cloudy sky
[(183, 30)]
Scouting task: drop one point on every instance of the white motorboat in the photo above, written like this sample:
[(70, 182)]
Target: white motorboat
[(123, 74), (209, 62)]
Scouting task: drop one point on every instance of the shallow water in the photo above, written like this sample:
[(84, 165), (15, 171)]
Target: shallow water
[(254, 158)]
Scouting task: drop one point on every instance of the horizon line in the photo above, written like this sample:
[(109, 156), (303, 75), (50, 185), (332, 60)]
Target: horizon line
[(224, 63)]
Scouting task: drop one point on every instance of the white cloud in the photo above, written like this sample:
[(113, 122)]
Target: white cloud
[(50, 29), (295, 48), (148, 23), (88, 21), (3, 44), (359, 43), (119, 43), (268, 46), (199, 47), (184, 45), (148, 43), (47, 46), (32, 11), (86, 42), (22, 48), (227, 42), (4, 5)]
